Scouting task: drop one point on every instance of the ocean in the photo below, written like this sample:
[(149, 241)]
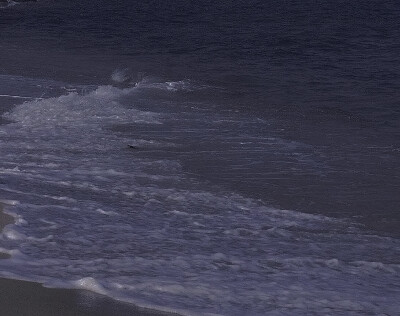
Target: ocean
[(205, 157)]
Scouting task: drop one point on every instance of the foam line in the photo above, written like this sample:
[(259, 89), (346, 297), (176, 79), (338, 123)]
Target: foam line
[(19, 97)]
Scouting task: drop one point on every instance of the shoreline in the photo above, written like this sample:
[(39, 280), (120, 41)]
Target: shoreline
[(25, 298)]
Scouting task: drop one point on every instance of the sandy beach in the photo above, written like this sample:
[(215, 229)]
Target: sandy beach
[(22, 298)]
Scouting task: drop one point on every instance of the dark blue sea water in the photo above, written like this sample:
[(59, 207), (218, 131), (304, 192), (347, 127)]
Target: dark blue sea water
[(232, 157)]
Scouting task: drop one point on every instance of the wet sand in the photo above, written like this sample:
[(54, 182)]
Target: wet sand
[(22, 298)]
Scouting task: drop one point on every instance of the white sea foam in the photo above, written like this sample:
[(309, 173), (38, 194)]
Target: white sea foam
[(109, 213), (12, 234), (9, 202), (90, 284), (19, 97), (122, 76), (97, 215)]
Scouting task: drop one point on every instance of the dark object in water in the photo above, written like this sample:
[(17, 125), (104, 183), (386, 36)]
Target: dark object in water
[(133, 147)]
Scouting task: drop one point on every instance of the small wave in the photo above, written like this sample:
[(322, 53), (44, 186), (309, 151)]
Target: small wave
[(7, 4), (10, 3), (126, 78), (72, 110), (185, 85), (123, 76), (90, 284)]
